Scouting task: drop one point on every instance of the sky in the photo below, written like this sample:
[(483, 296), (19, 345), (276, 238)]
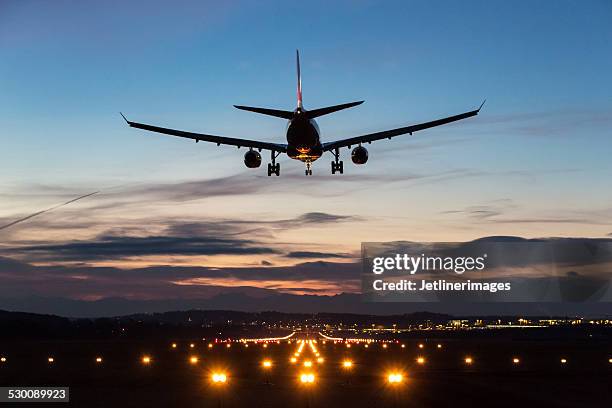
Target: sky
[(534, 163)]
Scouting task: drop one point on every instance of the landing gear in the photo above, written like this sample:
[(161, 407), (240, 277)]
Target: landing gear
[(337, 165), (308, 170), (274, 167)]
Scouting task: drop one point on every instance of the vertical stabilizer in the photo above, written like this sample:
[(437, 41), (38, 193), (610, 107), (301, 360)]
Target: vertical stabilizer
[(299, 81)]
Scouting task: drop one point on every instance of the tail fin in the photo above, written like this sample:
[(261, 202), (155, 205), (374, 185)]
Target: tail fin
[(299, 81), (315, 113), (264, 111)]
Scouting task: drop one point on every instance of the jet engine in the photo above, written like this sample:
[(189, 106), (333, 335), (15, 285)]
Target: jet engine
[(252, 159), (359, 155)]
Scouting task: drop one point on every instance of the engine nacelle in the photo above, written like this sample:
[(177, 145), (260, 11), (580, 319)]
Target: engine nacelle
[(359, 155), (252, 159)]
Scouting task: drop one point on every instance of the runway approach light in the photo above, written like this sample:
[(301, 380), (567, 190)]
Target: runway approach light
[(219, 378), (146, 360), (307, 378), (320, 360), (421, 360), (193, 360), (395, 378), (266, 364), (307, 363), (347, 364), (468, 360), (293, 360), (516, 360), (98, 360)]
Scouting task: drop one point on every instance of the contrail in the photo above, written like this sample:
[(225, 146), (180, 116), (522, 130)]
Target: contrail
[(10, 224)]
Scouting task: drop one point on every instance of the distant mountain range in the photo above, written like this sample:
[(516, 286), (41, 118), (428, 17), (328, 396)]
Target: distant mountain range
[(262, 300)]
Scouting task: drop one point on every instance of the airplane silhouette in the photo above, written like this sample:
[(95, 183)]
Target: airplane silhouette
[(303, 135)]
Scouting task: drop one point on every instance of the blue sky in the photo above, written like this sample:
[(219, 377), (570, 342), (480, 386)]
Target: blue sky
[(534, 163)]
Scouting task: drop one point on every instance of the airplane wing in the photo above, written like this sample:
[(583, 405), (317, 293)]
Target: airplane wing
[(219, 140), (388, 134)]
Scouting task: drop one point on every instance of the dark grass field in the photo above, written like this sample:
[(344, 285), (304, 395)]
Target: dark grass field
[(444, 380)]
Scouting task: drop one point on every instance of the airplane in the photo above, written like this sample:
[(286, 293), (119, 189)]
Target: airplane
[(303, 135)]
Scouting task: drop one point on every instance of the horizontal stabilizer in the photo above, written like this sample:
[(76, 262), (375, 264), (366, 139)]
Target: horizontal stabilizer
[(270, 112), (330, 109)]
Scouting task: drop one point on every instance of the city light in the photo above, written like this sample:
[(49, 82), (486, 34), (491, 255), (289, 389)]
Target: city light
[(219, 378), (421, 360), (266, 364), (347, 364), (146, 360), (307, 378), (468, 360), (395, 378), (193, 360)]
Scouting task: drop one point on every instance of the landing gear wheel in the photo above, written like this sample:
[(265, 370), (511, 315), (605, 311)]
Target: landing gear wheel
[(337, 166), (308, 171), (273, 169)]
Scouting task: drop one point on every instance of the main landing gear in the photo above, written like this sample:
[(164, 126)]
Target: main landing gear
[(274, 167), (337, 165), (308, 170)]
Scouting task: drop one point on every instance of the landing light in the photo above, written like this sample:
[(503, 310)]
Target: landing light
[(348, 364), (173, 345), (307, 378), (395, 378), (515, 360), (218, 378), (191, 345), (98, 360), (50, 359), (468, 360), (320, 360), (293, 360), (266, 363), (421, 360), (146, 360), (563, 361), (193, 360)]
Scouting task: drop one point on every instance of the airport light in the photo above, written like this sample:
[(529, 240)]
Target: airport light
[(210, 345), (266, 364), (265, 345), (609, 360), (99, 360), (347, 364), (191, 345), (516, 360), (563, 361), (366, 346), (293, 360), (468, 360), (3, 360), (193, 360), (51, 360), (228, 345), (421, 345), (146, 360), (395, 378), (348, 345), (173, 345), (420, 360), (403, 346), (307, 378), (307, 363), (439, 346), (320, 360), (219, 378), (384, 346), (246, 345)]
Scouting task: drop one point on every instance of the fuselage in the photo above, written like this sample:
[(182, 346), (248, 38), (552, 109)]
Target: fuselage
[(303, 138)]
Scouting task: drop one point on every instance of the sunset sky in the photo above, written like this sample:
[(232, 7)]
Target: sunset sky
[(534, 163)]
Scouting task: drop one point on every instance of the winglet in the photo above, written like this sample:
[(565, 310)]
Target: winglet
[(124, 118), (481, 105)]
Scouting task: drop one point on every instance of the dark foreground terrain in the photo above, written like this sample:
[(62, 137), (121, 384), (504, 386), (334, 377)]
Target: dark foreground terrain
[(443, 380)]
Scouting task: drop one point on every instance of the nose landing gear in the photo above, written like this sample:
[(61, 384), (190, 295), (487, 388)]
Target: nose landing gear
[(308, 170), (337, 165)]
